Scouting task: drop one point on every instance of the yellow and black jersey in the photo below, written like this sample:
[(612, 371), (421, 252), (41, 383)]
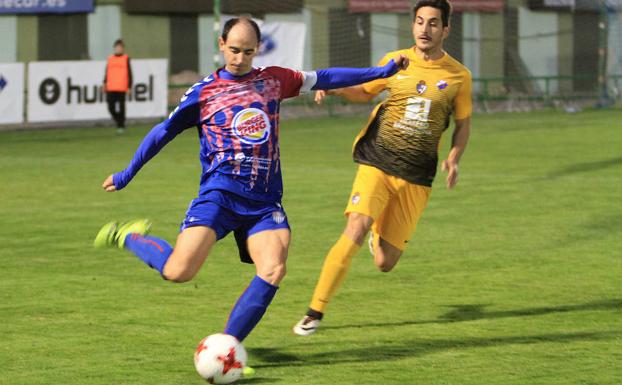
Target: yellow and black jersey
[(403, 133)]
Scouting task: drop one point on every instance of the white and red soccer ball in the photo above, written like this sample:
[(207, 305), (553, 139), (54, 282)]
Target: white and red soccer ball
[(220, 359)]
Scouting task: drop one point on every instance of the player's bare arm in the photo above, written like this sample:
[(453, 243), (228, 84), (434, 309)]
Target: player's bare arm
[(459, 142), (355, 94)]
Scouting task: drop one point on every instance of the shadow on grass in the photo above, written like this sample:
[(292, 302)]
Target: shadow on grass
[(585, 167), (413, 348), (476, 312), (461, 313), (257, 380)]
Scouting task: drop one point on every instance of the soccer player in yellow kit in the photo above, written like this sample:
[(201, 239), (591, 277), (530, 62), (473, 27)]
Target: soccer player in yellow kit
[(397, 152)]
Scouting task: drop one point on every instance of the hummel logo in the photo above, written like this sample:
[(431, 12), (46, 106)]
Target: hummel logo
[(49, 91), (400, 77)]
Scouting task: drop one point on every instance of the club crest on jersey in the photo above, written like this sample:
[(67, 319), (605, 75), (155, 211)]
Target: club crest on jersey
[(421, 87), (441, 84), (278, 217), (252, 126)]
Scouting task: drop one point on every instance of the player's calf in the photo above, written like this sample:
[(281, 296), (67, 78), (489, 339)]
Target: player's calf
[(178, 274), (386, 256), (184, 264), (192, 248)]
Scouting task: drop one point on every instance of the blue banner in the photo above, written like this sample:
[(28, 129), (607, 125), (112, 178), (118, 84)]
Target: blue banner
[(14, 7)]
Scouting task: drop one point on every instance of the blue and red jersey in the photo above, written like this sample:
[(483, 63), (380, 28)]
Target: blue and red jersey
[(238, 125)]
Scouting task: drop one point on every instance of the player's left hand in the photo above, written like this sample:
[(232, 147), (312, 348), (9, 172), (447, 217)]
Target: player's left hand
[(108, 184), (402, 62), (452, 173)]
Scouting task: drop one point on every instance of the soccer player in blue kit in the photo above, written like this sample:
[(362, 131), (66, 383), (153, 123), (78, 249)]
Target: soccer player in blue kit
[(236, 111)]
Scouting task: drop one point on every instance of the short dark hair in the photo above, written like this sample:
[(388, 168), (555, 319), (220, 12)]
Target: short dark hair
[(443, 5), (118, 42), (236, 20)]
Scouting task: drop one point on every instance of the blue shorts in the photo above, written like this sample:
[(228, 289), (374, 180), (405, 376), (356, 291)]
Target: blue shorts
[(225, 212)]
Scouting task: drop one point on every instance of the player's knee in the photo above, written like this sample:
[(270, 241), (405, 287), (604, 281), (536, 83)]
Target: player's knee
[(274, 273), (358, 226), (278, 273)]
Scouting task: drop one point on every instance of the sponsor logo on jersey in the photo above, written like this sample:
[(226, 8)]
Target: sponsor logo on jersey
[(421, 87), (356, 198), (252, 126), (441, 84)]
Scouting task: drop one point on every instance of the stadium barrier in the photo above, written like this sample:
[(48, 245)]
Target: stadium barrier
[(83, 103), (11, 93), (62, 92), (73, 90)]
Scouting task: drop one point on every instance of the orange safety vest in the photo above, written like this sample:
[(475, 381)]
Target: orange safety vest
[(117, 74)]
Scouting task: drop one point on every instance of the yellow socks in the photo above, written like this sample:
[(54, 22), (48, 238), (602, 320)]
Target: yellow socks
[(334, 271)]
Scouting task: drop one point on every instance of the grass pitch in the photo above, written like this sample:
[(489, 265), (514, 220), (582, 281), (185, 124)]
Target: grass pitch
[(513, 278)]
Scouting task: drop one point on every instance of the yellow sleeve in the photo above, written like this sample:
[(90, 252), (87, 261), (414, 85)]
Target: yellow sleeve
[(463, 104), (377, 86)]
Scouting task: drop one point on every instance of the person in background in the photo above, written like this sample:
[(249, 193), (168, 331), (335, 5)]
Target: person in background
[(118, 83)]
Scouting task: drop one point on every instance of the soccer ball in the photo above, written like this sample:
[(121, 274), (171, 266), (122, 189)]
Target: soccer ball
[(220, 359)]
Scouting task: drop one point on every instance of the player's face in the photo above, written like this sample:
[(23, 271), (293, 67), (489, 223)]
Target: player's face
[(239, 49), (428, 30)]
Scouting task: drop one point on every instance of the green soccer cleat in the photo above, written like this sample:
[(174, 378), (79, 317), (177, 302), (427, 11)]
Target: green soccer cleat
[(106, 235), (114, 233), (139, 226)]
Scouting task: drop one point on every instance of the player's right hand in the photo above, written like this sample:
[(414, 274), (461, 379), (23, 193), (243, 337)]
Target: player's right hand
[(108, 184), (319, 96), (452, 173)]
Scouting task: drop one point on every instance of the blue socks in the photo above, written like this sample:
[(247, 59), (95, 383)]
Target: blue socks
[(246, 313), (250, 308), (151, 250)]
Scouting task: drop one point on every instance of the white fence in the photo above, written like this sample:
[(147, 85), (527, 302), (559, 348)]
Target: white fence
[(73, 91), (11, 93)]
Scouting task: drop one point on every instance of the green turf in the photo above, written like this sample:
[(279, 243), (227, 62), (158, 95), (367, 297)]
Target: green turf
[(513, 278)]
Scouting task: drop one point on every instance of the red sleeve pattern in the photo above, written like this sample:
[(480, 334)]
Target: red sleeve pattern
[(290, 80)]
